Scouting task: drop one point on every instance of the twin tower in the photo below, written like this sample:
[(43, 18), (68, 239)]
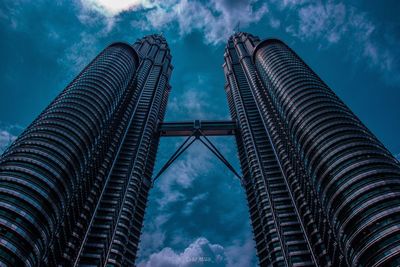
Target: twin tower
[(321, 189)]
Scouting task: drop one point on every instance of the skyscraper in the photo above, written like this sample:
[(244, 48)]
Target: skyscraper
[(321, 189), (74, 185)]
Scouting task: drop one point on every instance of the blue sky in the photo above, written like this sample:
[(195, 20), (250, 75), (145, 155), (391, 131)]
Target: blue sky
[(197, 215)]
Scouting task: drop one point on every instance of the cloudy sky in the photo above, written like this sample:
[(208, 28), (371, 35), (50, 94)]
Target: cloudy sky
[(197, 215)]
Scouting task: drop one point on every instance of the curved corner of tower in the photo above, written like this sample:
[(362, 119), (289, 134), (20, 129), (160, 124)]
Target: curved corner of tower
[(127, 46), (264, 43)]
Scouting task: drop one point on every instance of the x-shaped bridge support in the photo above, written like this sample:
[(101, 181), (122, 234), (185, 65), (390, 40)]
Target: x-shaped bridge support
[(197, 131)]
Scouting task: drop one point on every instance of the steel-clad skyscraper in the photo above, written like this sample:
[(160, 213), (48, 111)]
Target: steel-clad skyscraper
[(321, 189), (74, 185)]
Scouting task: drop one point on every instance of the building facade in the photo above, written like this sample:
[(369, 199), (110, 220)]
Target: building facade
[(74, 185), (321, 189)]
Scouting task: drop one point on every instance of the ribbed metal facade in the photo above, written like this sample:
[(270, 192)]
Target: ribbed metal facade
[(74, 185), (321, 189)]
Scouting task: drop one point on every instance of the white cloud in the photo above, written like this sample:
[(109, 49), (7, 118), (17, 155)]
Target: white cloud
[(323, 21), (282, 4), (216, 19), (331, 22), (201, 252), (197, 253), (112, 8), (106, 12)]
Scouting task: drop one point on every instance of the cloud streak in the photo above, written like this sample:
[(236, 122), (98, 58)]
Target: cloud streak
[(326, 22), (333, 22), (216, 19)]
